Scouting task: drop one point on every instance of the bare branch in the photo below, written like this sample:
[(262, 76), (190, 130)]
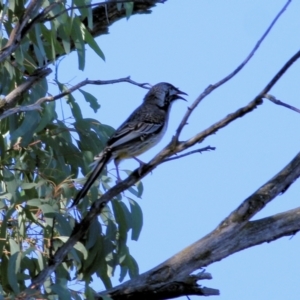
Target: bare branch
[(274, 187), (168, 290), (278, 102), (198, 138), (211, 88), (95, 82), (37, 105), (213, 247), (207, 148)]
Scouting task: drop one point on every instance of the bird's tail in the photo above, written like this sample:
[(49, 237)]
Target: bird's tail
[(99, 166)]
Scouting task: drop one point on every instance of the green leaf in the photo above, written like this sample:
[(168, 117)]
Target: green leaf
[(136, 219), (95, 259), (65, 38), (85, 10), (61, 290), (128, 8), (38, 35), (11, 184), (20, 58), (133, 268), (53, 40), (10, 69), (48, 115), (77, 37), (2, 147), (119, 6), (139, 186), (89, 39), (75, 108), (103, 274), (28, 185), (34, 202), (2, 204), (93, 233), (78, 246), (63, 225), (91, 99), (26, 130), (89, 293), (12, 271), (123, 272), (47, 210), (122, 216), (13, 246), (40, 260)]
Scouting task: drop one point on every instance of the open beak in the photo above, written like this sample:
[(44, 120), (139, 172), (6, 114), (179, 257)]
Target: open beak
[(179, 92)]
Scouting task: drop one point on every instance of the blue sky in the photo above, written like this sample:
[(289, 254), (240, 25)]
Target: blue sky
[(192, 44)]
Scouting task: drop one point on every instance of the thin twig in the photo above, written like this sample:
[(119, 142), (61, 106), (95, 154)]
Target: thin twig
[(207, 148), (239, 113), (95, 82), (211, 88), (39, 102), (278, 102)]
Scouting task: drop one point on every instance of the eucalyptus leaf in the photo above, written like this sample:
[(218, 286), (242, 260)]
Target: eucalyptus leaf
[(91, 99), (12, 271), (136, 219)]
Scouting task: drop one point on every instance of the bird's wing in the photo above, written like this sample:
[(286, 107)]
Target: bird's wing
[(132, 131)]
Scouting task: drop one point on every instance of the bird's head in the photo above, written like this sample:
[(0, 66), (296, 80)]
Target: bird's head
[(163, 94)]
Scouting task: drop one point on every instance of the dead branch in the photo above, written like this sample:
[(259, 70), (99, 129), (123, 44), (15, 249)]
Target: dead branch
[(278, 102), (213, 247), (12, 97), (207, 148), (212, 87)]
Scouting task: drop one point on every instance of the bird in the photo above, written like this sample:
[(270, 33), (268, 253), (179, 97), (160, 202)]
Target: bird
[(142, 130)]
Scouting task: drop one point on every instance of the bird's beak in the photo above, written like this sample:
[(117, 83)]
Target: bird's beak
[(178, 93)]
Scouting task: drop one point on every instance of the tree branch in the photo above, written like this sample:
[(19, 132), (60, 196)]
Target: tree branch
[(105, 15), (206, 251), (168, 290), (211, 88), (278, 102), (10, 99), (207, 148)]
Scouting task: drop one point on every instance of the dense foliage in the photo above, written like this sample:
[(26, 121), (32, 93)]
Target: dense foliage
[(42, 155)]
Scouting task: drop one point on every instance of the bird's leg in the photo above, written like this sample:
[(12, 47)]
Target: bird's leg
[(141, 164), (117, 169)]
